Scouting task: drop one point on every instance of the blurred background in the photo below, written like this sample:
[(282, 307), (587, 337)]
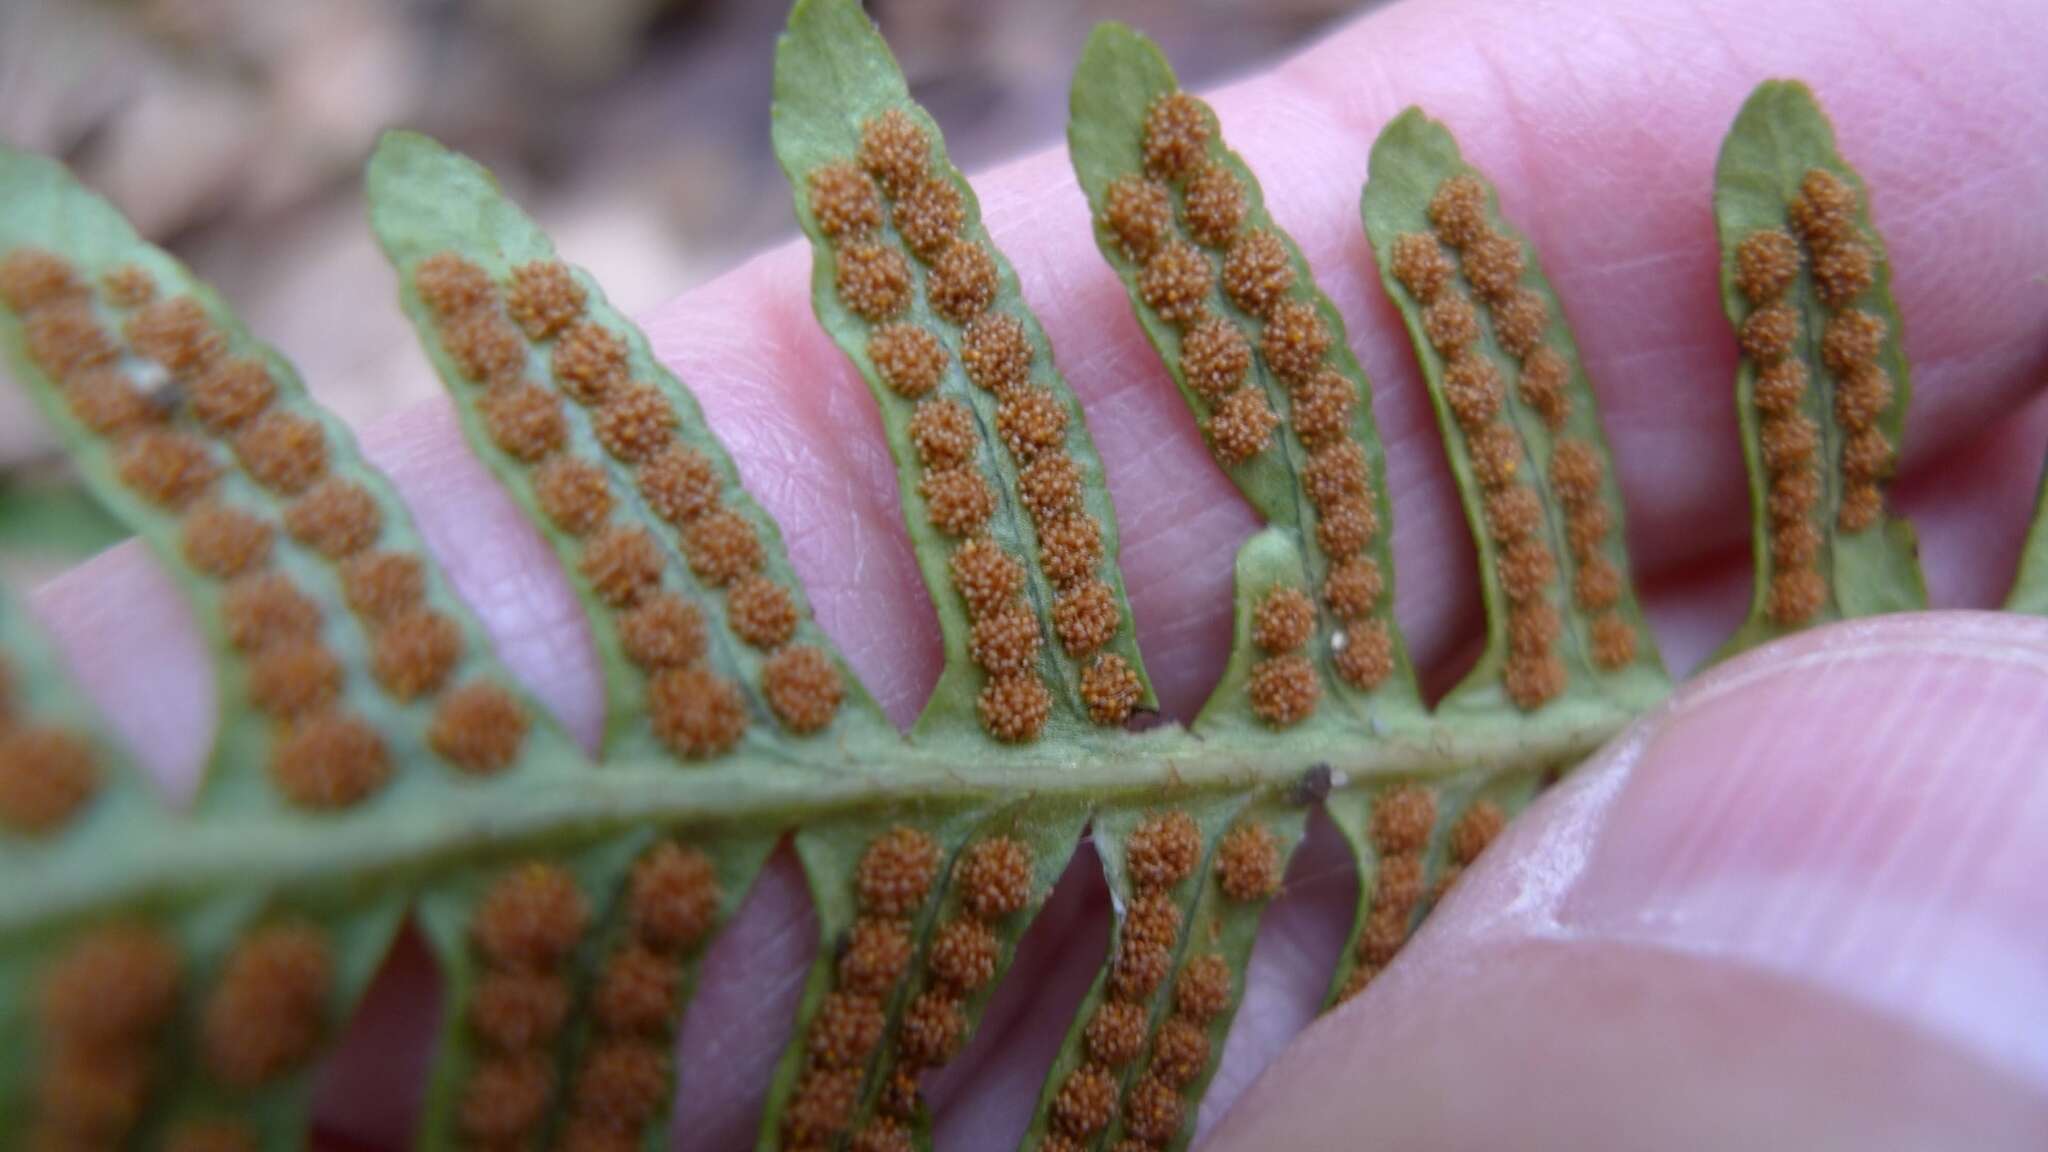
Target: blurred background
[(233, 133)]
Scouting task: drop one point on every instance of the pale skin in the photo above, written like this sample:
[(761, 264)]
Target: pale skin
[(1800, 908)]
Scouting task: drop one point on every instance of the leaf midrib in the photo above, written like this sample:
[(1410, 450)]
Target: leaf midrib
[(186, 859)]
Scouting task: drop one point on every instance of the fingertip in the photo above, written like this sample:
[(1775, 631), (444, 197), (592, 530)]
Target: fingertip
[(747, 988), (496, 559), (1793, 907), (121, 626)]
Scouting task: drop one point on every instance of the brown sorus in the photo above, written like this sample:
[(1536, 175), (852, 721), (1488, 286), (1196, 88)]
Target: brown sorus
[(451, 285), (910, 360), (1258, 271), (984, 575), (1005, 641), (761, 612), (531, 918), (895, 150), (379, 586), (680, 484), (1248, 862), (943, 432), (1014, 709), (1295, 339), (1086, 616), (896, 872), (516, 1011), (1766, 263), (876, 955), (1322, 408), (223, 541), (1364, 653), (1116, 1033), (622, 563), (46, 777), (1458, 210), (958, 500), (294, 678), (524, 421), (873, 280), (169, 469), (696, 713), (1284, 690), (336, 518), (1203, 989), (414, 652), (1031, 420), (266, 608), (1214, 357), (1520, 322), (32, 278), (176, 333), (962, 283), (1241, 426), (634, 422), (543, 298), (1070, 548), (662, 631), (284, 451), (1163, 849), (1139, 212), (1215, 205), (846, 1031), (329, 760), (268, 1012), (1493, 265), (589, 361), (478, 728), (928, 214), (1154, 1111), (1178, 128), (1283, 621), (803, 688), (994, 877), (996, 352), (844, 201), (231, 393), (963, 955), (1174, 283), (1050, 487)]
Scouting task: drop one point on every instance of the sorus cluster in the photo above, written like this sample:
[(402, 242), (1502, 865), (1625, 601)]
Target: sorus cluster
[(893, 178), (324, 754), (1493, 264), (695, 711), (623, 1076), (1162, 852), (1472, 389), (1844, 267), (1403, 818), (1475, 830), (1284, 686), (268, 1010), (892, 881), (1176, 275), (105, 1004), (524, 937), (993, 881), (48, 774), (1258, 277), (1767, 264)]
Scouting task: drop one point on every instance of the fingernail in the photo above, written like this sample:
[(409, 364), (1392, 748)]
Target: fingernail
[(1865, 808)]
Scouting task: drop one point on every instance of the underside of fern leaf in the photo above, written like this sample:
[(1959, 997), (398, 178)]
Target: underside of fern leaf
[(172, 977), (1823, 386)]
